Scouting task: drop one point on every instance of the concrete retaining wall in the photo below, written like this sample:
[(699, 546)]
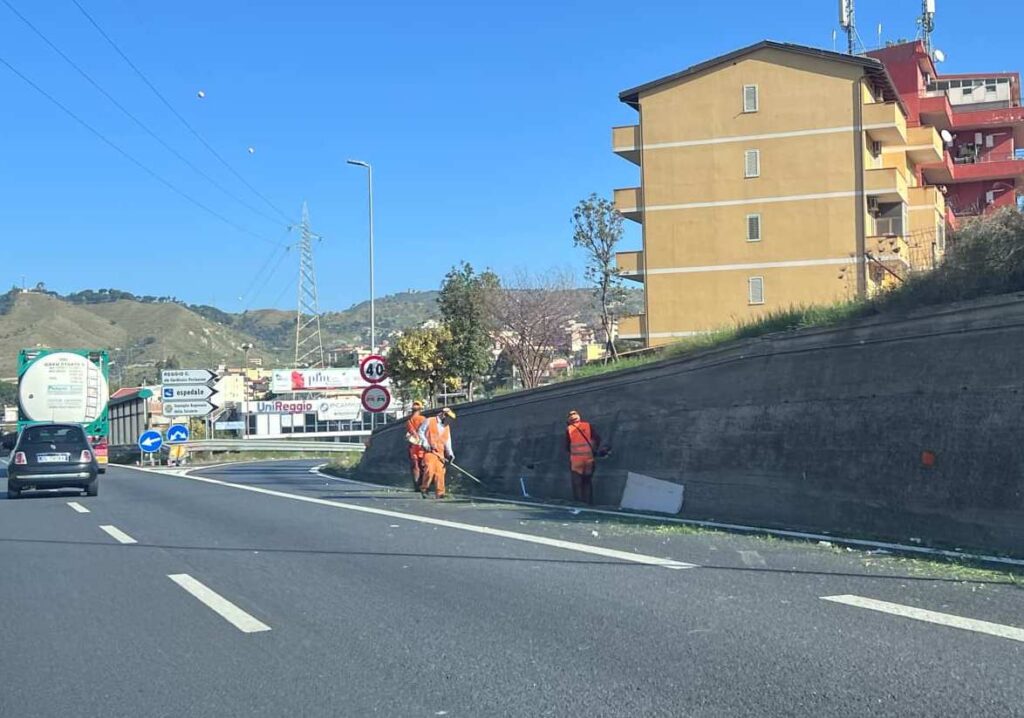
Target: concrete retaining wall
[(819, 430)]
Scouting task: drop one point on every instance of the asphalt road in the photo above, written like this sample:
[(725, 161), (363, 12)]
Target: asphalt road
[(297, 594)]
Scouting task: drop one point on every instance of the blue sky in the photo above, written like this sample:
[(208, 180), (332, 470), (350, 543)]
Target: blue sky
[(485, 123)]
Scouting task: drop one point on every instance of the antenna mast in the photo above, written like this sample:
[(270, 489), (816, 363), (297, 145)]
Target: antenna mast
[(309, 345), (848, 23), (927, 23)]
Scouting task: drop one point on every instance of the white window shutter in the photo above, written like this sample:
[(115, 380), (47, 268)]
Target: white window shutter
[(990, 140), (750, 98), (753, 163), (755, 290)]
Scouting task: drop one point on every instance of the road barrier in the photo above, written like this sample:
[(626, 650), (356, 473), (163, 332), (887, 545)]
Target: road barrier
[(273, 445)]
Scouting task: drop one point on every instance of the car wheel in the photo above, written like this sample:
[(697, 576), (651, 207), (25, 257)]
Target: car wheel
[(93, 489), (13, 493)]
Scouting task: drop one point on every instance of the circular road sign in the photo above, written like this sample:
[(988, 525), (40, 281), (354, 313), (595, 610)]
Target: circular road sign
[(373, 369), (150, 441), (376, 399), (177, 434)]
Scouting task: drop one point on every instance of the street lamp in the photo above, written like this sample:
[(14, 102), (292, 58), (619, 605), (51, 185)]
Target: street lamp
[(245, 388), (369, 178)]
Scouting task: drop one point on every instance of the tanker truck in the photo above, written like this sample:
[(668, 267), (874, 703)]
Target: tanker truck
[(67, 385)]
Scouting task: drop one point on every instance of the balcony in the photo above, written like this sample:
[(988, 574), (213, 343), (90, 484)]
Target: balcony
[(924, 145), (630, 203), (992, 117), (940, 172), (626, 142), (888, 249), (885, 123), (633, 326), (886, 184), (927, 197), (990, 166), (631, 265), (936, 111)]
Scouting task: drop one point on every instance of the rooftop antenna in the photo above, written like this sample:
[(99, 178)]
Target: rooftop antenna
[(879, 35), (848, 23), (927, 23), (309, 345)]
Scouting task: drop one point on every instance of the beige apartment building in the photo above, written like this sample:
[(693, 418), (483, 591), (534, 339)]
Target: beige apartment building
[(774, 176)]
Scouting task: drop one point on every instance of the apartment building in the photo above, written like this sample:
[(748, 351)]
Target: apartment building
[(982, 166), (774, 176)]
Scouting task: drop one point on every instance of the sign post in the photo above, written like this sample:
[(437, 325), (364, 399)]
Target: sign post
[(187, 392), (373, 369), (150, 442)]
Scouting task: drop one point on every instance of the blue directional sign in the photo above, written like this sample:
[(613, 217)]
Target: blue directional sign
[(177, 434), (150, 441)]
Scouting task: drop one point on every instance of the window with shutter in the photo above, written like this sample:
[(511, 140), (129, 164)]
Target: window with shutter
[(753, 228), (750, 98), (755, 290), (753, 163)]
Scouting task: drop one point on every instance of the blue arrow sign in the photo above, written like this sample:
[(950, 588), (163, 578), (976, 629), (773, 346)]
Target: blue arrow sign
[(177, 434), (150, 441)]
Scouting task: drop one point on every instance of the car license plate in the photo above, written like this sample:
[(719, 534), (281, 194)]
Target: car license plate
[(53, 458)]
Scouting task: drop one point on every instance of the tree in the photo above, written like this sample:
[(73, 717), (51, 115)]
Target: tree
[(528, 315), (8, 394), (597, 228), (463, 302), (416, 363)]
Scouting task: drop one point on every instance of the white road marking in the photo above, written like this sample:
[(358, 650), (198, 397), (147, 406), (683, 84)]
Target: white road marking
[(486, 530), (231, 613), (743, 528), (78, 507), (118, 534), (921, 614), (752, 558)]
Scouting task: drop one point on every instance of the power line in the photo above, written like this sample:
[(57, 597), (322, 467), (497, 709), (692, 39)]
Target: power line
[(130, 158), (248, 295), (170, 107), (135, 119)]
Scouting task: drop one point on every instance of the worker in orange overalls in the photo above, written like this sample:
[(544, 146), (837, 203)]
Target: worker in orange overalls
[(581, 441), (436, 440), (412, 435)]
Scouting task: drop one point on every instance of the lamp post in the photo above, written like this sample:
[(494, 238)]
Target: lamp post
[(245, 388), (369, 180)]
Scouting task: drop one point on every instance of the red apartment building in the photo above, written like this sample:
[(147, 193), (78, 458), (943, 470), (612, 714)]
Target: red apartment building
[(983, 124)]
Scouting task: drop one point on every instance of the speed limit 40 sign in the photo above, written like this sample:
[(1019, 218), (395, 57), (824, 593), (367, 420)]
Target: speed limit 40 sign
[(373, 369)]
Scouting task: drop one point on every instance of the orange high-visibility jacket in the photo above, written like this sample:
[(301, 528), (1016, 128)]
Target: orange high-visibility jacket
[(438, 436), (412, 426), (581, 440)]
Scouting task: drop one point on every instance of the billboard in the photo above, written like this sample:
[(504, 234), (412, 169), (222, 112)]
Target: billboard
[(346, 408), (283, 381)]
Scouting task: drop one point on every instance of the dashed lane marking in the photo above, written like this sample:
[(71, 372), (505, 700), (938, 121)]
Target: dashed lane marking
[(118, 534), (244, 622), (78, 507)]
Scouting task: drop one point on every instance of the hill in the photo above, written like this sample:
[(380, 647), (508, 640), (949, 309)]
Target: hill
[(138, 334), (141, 331)]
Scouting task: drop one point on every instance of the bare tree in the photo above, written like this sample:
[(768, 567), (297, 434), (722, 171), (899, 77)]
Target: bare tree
[(529, 313)]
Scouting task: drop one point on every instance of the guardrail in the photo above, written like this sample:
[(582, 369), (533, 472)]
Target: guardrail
[(273, 445)]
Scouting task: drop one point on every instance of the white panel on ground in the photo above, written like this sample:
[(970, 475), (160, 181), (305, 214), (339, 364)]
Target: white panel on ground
[(645, 493)]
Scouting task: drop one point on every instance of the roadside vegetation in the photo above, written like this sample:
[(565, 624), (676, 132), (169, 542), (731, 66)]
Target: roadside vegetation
[(985, 257)]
